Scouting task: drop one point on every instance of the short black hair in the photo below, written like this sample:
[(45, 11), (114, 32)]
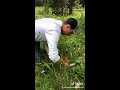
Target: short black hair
[(73, 22)]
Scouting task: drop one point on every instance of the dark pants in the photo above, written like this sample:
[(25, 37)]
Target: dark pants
[(37, 52)]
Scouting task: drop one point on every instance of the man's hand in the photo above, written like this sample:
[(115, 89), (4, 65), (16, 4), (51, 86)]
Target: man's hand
[(64, 61)]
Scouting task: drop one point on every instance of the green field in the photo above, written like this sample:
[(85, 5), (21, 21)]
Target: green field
[(73, 46)]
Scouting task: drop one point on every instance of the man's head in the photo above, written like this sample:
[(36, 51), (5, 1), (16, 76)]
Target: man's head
[(68, 26)]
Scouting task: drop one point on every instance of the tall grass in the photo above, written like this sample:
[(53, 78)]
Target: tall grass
[(56, 76)]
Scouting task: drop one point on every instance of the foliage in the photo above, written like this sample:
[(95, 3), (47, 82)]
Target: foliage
[(49, 76)]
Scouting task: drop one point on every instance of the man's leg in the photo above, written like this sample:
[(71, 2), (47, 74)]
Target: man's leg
[(37, 52)]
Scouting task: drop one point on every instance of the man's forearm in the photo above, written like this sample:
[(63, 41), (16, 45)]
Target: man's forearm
[(62, 60), (46, 47)]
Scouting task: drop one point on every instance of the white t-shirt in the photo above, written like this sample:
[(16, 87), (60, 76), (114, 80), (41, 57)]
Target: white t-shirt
[(49, 29)]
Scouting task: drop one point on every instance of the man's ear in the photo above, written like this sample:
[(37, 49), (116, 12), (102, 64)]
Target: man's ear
[(68, 26)]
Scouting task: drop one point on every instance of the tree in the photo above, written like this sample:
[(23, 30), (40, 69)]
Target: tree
[(56, 6), (61, 7), (82, 2), (70, 5)]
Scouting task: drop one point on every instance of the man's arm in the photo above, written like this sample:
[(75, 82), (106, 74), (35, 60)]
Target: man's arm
[(46, 47), (52, 37), (61, 60), (51, 47)]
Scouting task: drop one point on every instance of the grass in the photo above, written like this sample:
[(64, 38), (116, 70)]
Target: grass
[(56, 76)]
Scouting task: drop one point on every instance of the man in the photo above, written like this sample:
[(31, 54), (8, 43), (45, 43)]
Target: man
[(49, 30)]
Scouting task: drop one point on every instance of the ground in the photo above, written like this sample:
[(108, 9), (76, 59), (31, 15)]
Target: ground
[(48, 76)]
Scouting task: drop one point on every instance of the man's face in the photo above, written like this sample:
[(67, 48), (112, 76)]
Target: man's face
[(66, 29)]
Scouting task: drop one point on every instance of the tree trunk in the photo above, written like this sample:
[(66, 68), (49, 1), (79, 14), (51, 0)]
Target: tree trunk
[(70, 6)]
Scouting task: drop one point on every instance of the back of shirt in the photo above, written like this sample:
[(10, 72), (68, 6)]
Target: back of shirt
[(45, 25)]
